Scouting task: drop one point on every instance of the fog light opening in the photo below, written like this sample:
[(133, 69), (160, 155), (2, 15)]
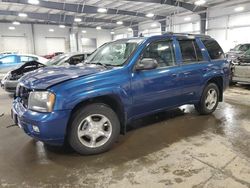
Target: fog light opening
[(35, 129)]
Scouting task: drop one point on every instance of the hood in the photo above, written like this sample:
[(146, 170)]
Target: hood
[(232, 55), (26, 67), (236, 53), (48, 76)]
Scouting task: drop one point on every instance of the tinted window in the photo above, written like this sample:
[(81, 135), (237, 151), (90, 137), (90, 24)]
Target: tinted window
[(190, 51), (8, 59), (242, 47), (214, 49), (76, 59), (162, 52)]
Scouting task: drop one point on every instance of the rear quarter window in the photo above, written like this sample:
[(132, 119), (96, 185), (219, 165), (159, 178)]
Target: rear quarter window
[(214, 49), (191, 52)]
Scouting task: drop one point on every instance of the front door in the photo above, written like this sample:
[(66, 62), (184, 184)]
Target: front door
[(158, 88)]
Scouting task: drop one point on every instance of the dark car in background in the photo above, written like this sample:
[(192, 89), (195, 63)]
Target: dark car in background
[(244, 58), (10, 80), (240, 69), (237, 51)]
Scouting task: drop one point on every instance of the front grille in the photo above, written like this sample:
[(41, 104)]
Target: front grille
[(23, 93)]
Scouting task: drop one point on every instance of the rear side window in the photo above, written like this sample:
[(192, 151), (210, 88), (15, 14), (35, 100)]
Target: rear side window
[(214, 49), (7, 60), (190, 51)]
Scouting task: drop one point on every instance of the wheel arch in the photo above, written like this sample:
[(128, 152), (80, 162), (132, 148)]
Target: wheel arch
[(218, 80), (113, 101)]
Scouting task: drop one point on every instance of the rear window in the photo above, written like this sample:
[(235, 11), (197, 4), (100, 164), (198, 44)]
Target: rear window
[(214, 49), (190, 51)]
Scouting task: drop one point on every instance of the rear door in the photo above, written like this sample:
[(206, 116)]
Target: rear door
[(218, 63), (194, 65)]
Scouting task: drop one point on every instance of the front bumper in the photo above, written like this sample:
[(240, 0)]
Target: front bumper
[(52, 126), (241, 79), (10, 85)]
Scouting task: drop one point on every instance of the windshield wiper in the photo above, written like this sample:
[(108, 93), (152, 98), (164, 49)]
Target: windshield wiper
[(102, 64)]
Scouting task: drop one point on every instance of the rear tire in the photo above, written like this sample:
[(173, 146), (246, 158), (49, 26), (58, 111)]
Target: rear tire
[(93, 129), (209, 100)]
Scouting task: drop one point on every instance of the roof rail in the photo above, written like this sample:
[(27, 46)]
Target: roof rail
[(187, 34)]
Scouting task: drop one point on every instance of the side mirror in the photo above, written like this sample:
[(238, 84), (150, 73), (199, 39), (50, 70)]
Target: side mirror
[(1, 62), (147, 64)]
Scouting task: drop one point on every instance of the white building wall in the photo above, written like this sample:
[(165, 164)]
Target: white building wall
[(21, 31), (229, 27), (122, 33), (101, 36), (37, 43), (41, 34)]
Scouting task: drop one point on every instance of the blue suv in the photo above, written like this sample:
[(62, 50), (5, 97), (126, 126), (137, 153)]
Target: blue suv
[(89, 105)]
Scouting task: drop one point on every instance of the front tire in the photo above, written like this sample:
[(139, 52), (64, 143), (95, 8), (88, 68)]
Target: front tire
[(209, 100), (94, 129)]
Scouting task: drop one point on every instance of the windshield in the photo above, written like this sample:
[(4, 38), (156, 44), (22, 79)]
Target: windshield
[(114, 53), (242, 47), (247, 52), (57, 60)]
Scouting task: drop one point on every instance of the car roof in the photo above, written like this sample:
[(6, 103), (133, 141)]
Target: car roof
[(73, 53), (171, 34), (31, 55)]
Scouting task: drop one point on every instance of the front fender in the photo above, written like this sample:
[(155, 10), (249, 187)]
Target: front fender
[(118, 92), (73, 92)]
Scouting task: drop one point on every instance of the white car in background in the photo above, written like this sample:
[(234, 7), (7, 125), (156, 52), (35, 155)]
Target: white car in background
[(10, 80), (9, 62)]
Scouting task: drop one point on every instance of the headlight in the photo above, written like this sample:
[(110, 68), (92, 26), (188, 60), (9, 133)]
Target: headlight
[(41, 101), (6, 76)]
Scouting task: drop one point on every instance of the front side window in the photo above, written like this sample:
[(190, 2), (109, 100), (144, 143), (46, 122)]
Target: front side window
[(27, 58), (114, 53), (58, 60), (76, 59), (242, 47), (214, 49), (190, 51), (33, 58), (24, 59), (162, 52)]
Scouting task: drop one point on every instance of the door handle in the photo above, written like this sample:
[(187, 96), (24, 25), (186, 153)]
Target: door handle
[(205, 69), (187, 73), (174, 75)]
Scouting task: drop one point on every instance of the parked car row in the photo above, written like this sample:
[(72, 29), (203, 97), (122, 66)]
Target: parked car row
[(89, 104), (239, 57), (10, 80), (11, 61)]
